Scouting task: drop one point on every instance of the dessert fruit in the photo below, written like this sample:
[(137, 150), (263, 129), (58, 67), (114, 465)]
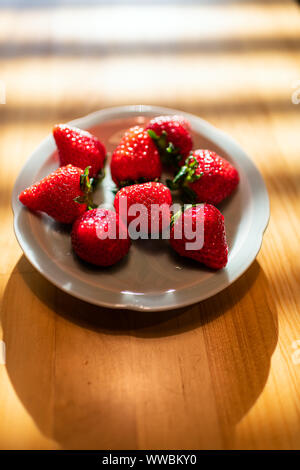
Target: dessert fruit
[(172, 137), (64, 194), (79, 148), (213, 252), (152, 196), (136, 159), (100, 237), (205, 177)]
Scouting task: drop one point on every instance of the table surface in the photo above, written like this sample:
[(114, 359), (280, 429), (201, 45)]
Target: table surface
[(222, 374)]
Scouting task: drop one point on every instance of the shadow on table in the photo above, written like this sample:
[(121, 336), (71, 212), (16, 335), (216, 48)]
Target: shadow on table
[(55, 356)]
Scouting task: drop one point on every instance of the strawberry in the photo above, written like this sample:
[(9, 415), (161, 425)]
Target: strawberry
[(63, 195), (80, 148), (151, 195), (136, 159), (206, 177), (214, 251), (171, 135), (100, 238)]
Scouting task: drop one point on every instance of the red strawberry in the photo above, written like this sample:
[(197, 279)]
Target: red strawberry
[(214, 250), (100, 238), (183, 121), (151, 195), (206, 177), (172, 137), (80, 148), (57, 194), (136, 159)]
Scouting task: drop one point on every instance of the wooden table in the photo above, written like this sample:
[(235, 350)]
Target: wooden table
[(222, 374)]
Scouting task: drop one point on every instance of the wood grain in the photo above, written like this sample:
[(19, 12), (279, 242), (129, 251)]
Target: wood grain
[(223, 374)]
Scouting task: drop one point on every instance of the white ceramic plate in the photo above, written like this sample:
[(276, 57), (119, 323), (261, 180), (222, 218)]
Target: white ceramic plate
[(152, 276)]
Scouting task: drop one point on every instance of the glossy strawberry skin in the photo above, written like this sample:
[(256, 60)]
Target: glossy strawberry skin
[(79, 148), (218, 177), (87, 233), (214, 252), (177, 129), (55, 195), (136, 159), (147, 194)]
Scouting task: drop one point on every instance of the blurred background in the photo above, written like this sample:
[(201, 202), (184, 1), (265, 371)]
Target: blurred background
[(217, 58), (233, 63), (226, 60), (229, 61)]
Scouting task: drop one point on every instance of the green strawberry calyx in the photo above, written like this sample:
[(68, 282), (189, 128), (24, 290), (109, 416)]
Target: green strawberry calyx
[(170, 155), (176, 216), (87, 188), (186, 175)]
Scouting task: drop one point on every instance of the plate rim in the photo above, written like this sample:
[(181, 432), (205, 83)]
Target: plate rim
[(209, 131)]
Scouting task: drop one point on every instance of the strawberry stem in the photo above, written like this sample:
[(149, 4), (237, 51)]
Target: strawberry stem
[(185, 176), (169, 154), (184, 208), (87, 188)]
